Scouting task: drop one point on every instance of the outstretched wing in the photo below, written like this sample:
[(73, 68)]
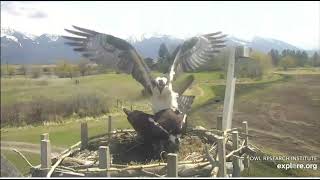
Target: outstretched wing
[(112, 52), (196, 52), (185, 103)]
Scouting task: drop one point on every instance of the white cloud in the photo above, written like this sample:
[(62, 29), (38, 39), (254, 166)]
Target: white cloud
[(293, 22), (19, 9)]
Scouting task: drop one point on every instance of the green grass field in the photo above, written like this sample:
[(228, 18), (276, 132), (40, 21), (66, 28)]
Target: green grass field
[(207, 86), (20, 164), (21, 89)]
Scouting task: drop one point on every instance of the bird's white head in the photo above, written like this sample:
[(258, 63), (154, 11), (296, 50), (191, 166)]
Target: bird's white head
[(161, 83)]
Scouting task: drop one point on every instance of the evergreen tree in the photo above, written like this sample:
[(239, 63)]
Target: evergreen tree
[(163, 58), (275, 56), (315, 59)]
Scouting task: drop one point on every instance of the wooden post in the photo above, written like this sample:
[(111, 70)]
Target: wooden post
[(229, 93), (236, 160), (44, 136), (45, 156), (222, 157), (131, 107), (104, 159), (84, 135), (109, 127), (246, 161), (172, 166), (219, 122), (117, 103)]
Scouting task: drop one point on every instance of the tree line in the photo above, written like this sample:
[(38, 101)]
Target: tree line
[(293, 58), (62, 69), (259, 63)]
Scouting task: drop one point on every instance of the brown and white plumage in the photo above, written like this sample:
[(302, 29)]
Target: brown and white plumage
[(192, 54), (117, 53), (111, 51), (196, 52)]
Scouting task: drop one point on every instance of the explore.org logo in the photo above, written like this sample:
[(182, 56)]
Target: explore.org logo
[(297, 166), (286, 164)]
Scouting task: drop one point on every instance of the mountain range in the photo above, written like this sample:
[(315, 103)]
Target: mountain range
[(23, 48)]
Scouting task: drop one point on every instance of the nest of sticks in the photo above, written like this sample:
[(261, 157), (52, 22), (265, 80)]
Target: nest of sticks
[(130, 157)]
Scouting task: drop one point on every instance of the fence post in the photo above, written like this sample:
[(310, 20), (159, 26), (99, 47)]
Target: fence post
[(45, 156), (245, 131), (221, 156), (219, 122), (104, 159), (172, 165), (109, 127), (117, 103), (84, 135), (44, 136), (235, 160)]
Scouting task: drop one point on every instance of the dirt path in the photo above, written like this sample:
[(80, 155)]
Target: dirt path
[(284, 116), (27, 147), (200, 90)]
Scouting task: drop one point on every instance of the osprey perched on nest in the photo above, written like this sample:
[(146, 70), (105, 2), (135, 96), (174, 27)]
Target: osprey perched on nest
[(169, 105)]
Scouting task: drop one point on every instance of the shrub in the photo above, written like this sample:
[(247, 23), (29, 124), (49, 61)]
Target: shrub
[(287, 62), (255, 67), (41, 109), (36, 72)]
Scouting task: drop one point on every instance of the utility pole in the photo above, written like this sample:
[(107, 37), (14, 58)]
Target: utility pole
[(235, 53)]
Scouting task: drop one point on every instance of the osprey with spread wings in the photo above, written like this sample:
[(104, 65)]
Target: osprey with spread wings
[(169, 105)]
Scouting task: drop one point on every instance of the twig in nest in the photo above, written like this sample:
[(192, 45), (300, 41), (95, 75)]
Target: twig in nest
[(209, 157), (130, 134), (60, 159), (15, 150), (66, 168), (186, 158), (240, 157), (162, 156), (150, 173), (203, 155), (213, 147)]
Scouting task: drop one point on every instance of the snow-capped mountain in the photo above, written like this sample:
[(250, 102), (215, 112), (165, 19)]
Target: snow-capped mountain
[(266, 44), (24, 48)]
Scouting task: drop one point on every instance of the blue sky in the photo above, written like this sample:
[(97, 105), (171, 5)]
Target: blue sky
[(297, 23)]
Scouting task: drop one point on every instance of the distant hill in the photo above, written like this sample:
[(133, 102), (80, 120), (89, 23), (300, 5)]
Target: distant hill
[(22, 48)]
